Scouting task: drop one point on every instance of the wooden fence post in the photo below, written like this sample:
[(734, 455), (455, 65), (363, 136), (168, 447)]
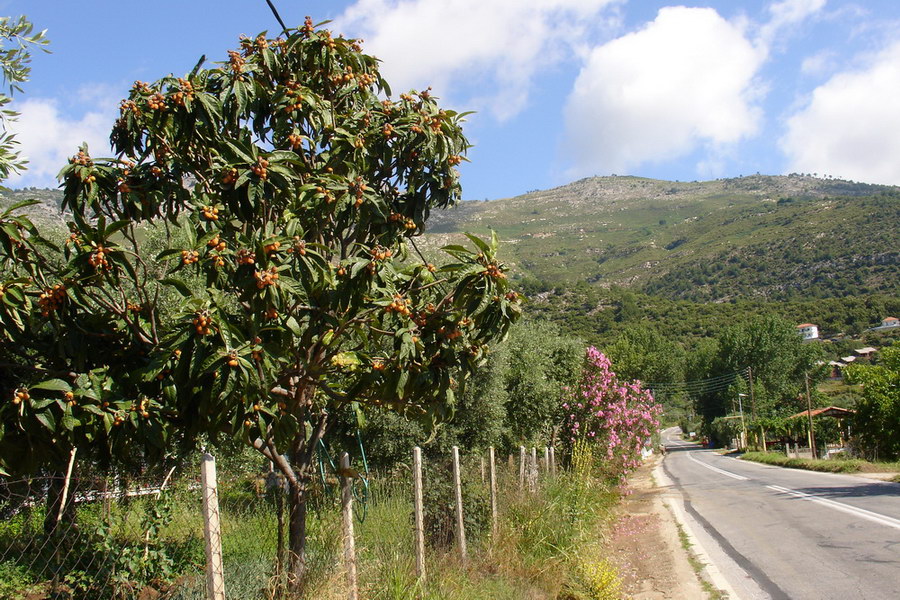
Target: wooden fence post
[(460, 523), (347, 512), (552, 461), (419, 514), (533, 470), (546, 461), (215, 575), (521, 467), (493, 476)]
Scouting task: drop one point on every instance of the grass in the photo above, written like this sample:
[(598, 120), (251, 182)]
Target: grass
[(549, 544), (824, 466), (712, 591)]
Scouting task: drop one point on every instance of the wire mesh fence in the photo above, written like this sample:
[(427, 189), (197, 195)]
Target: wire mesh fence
[(142, 538), (139, 540)]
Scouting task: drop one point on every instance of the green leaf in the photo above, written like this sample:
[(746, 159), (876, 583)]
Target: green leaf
[(115, 227), (240, 94), (167, 253), (47, 420), (239, 152), (179, 285), (401, 383), (482, 245), (53, 385), (211, 105), (293, 326)]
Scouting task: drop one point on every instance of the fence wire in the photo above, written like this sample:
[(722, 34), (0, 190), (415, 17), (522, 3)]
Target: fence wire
[(123, 540), (142, 538)]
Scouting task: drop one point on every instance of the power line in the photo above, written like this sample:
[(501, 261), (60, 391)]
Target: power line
[(277, 16), (709, 385)]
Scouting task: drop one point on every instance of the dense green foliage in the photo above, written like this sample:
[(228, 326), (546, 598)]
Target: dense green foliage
[(285, 191), (601, 316), (791, 251), (293, 248), (513, 399), (878, 411)]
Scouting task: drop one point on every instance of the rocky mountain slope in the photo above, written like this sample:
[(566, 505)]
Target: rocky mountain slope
[(772, 237)]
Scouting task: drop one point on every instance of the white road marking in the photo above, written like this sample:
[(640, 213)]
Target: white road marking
[(852, 510), (717, 470)]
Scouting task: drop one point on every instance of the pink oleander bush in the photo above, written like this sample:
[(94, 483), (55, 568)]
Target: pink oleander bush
[(608, 421)]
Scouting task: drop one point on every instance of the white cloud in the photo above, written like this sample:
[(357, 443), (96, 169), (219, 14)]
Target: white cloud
[(819, 63), (47, 138), (482, 50), (789, 12), (685, 80), (849, 126)]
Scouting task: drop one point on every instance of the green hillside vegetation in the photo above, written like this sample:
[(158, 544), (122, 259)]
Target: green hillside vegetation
[(602, 255), (600, 316), (758, 237), (765, 237)]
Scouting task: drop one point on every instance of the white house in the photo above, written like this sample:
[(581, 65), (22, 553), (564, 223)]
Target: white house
[(808, 331), (890, 322)]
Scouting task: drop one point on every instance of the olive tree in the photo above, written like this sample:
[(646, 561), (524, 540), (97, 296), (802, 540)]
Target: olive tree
[(287, 187), (17, 40)]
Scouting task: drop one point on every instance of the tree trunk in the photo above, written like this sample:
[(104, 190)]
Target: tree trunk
[(54, 497), (53, 524), (297, 569), (297, 472)]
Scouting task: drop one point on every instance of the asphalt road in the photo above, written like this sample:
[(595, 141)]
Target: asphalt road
[(784, 533)]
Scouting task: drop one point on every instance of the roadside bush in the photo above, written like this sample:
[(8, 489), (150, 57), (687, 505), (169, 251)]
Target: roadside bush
[(824, 466)]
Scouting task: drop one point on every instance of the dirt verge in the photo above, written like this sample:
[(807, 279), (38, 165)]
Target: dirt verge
[(646, 547)]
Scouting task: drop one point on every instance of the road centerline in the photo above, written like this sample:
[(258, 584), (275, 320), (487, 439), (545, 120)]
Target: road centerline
[(840, 506), (717, 469)]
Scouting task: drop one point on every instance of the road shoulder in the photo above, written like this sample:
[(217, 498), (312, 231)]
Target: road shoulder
[(714, 583), (646, 545)]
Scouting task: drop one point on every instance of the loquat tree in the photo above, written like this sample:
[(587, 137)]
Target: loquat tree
[(284, 189)]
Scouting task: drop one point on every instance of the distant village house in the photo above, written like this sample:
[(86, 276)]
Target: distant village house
[(890, 322), (808, 331), (866, 352)]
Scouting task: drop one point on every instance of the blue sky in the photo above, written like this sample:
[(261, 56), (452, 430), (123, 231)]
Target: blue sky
[(563, 89)]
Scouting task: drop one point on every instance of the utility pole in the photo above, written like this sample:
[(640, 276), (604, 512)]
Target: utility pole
[(812, 433), (752, 395), (743, 425)]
